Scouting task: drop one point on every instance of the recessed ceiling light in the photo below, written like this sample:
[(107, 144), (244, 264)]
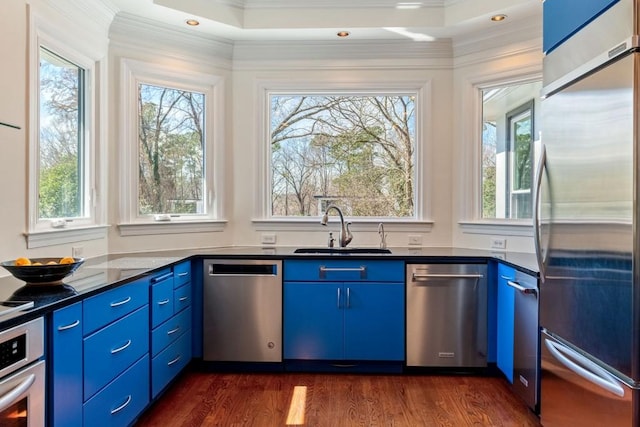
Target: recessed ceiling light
[(342, 33), (192, 22), (498, 18)]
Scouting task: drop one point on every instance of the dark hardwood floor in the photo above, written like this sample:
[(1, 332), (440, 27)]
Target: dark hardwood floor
[(335, 400)]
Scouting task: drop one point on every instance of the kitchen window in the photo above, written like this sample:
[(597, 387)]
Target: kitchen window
[(63, 196), (509, 150), (168, 149), (355, 150)]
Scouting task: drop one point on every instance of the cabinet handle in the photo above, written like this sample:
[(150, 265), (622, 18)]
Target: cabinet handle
[(119, 349), (338, 303), (121, 407), (173, 331), (517, 286), (69, 326), (161, 278), (163, 302), (324, 270), (174, 361), (506, 277), (124, 301), (184, 273), (348, 298), (181, 299)]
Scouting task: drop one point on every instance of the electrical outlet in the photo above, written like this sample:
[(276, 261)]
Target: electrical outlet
[(498, 243), (77, 251), (415, 239), (268, 239)]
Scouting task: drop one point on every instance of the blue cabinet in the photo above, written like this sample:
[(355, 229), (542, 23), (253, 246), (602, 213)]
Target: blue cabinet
[(171, 317), (344, 310), (65, 360), (505, 321), (563, 18)]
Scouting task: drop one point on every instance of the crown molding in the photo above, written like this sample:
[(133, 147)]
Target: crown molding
[(132, 32), (332, 54)]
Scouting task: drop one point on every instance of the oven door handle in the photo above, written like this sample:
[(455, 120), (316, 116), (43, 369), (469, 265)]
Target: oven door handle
[(9, 398)]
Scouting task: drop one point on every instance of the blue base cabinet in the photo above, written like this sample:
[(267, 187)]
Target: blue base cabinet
[(112, 353), (344, 310), (505, 318), (65, 359)]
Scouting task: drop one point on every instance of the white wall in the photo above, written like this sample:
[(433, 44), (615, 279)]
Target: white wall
[(451, 69)]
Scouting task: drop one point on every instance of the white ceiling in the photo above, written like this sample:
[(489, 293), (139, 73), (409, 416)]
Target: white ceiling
[(272, 20)]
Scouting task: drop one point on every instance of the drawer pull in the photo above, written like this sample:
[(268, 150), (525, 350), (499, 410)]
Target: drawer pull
[(324, 270), (174, 361), (182, 299), (119, 349), (418, 276), (69, 326), (121, 407), (161, 278), (164, 301), (119, 303), (173, 331), (184, 273)]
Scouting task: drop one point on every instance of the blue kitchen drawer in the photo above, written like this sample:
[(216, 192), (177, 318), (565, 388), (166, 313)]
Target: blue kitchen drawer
[(342, 270), (169, 331), (166, 365), (113, 349), (181, 298), (111, 305), (161, 300), (182, 273), (122, 401)]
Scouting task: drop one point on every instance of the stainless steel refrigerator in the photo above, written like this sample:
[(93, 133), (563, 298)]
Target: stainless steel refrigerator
[(586, 223)]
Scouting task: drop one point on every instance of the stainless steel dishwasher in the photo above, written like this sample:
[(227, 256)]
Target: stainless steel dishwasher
[(447, 315), (242, 310)]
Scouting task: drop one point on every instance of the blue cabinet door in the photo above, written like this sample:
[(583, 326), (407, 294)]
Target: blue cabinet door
[(313, 320), (66, 362), (563, 18), (374, 321), (505, 319)]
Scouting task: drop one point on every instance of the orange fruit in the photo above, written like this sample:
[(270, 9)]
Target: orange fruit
[(67, 260), (36, 263), (22, 261)]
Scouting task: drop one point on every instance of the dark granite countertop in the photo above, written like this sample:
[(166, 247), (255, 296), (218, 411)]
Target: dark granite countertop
[(100, 273)]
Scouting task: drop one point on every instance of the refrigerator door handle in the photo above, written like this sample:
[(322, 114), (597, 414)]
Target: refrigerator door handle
[(589, 370), (536, 211)]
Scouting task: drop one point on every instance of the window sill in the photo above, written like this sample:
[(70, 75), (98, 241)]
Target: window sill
[(171, 227), (505, 227), (39, 239), (369, 224)]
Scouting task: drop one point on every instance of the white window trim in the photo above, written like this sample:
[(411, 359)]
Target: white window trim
[(471, 194), (42, 233), (262, 216), (132, 73)]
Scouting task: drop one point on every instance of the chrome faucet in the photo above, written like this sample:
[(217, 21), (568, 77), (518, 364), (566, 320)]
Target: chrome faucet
[(345, 234), (383, 236)]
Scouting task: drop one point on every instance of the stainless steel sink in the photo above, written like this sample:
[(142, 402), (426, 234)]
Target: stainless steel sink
[(342, 251)]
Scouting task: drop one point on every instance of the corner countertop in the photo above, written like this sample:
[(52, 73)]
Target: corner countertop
[(100, 273)]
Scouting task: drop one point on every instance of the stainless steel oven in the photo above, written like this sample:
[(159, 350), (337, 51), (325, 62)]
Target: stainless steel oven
[(22, 375)]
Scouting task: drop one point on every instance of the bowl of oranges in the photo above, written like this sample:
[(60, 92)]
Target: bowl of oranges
[(42, 271)]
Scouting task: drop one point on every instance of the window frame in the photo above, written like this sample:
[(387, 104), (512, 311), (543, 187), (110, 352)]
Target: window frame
[(263, 220), (45, 232), (512, 117), (134, 73), (473, 221)]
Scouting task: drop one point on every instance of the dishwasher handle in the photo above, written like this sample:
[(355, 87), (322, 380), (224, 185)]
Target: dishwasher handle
[(238, 270), (422, 277)]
